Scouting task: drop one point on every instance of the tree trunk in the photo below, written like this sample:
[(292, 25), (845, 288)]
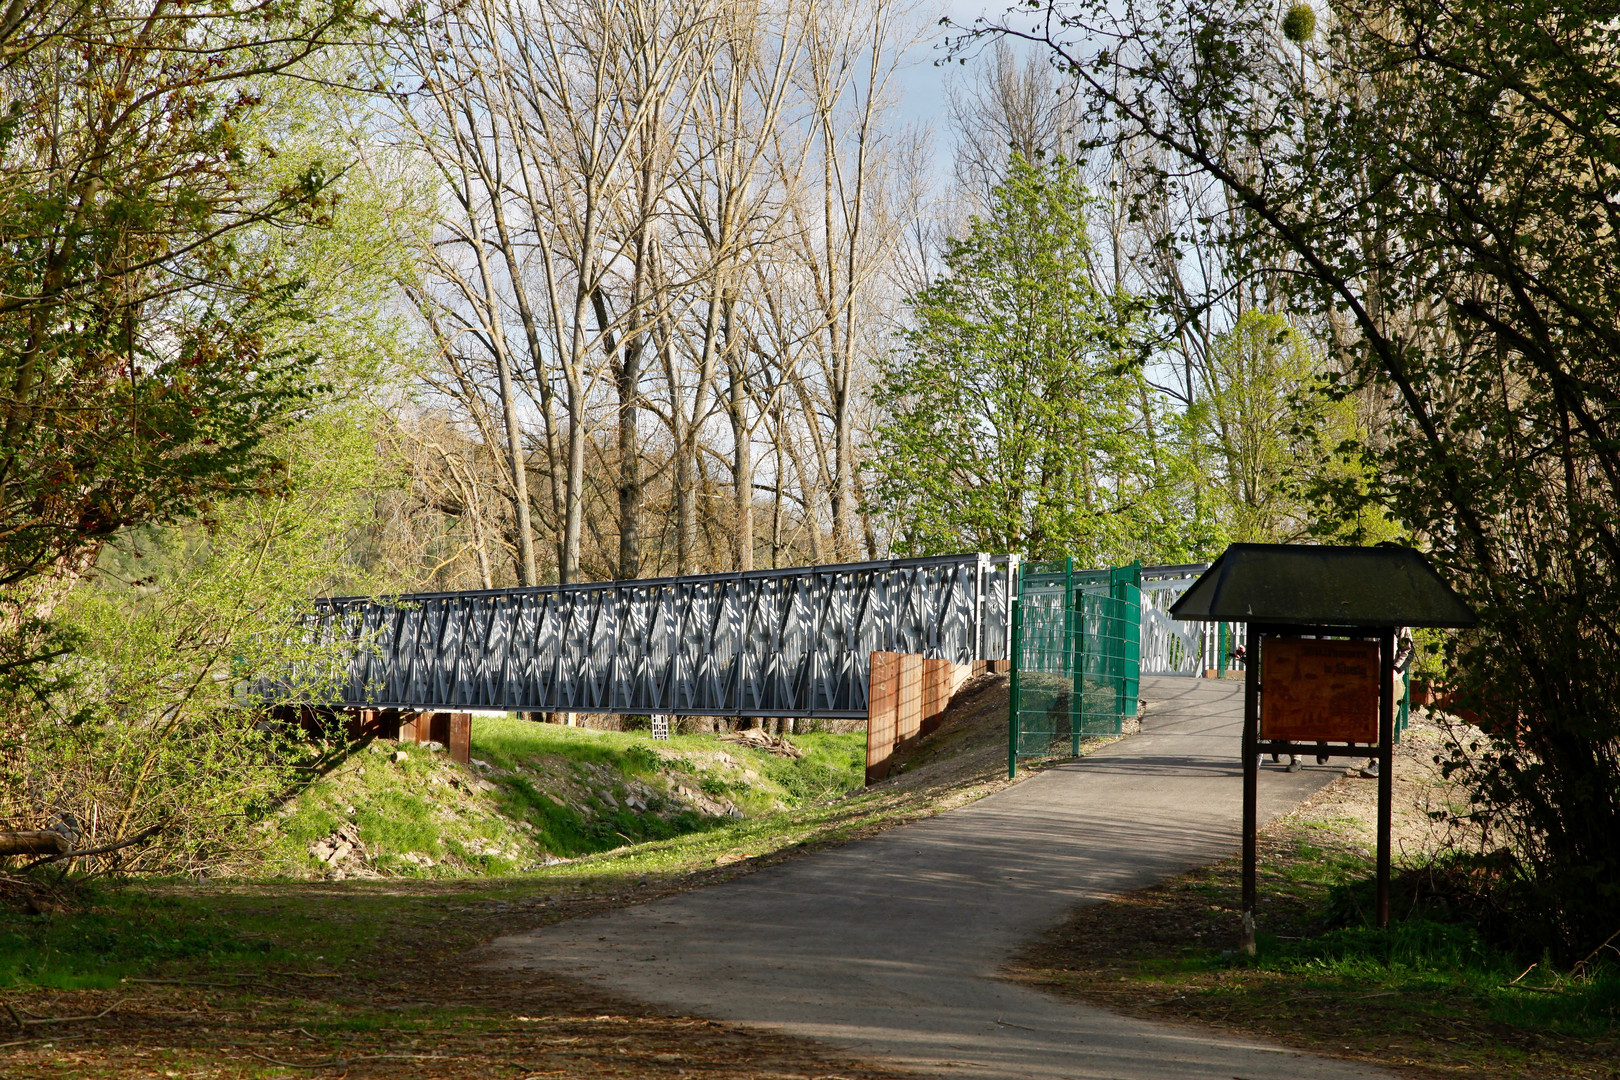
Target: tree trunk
[(630, 484), (33, 842), (742, 454)]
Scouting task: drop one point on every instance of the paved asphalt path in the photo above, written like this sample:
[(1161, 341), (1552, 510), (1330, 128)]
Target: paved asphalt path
[(888, 948)]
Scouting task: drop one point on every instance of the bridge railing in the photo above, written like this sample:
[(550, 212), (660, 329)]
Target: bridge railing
[(1173, 647)]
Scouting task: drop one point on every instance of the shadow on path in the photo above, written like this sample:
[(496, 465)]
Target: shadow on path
[(888, 947)]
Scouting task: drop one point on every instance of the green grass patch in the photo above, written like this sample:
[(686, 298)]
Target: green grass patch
[(543, 792), (130, 932), (1431, 957)]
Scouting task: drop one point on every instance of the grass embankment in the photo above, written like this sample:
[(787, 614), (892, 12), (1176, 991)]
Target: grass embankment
[(370, 975), (1430, 997), (540, 793)]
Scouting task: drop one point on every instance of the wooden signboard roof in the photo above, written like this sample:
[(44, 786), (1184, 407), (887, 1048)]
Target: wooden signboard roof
[(1322, 586)]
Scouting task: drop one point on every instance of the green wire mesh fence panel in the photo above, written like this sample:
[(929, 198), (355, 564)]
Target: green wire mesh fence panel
[(1043, 704), (1076, 657)]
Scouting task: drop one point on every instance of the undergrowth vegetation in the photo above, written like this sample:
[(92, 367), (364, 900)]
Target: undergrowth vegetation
[(1434, 950)]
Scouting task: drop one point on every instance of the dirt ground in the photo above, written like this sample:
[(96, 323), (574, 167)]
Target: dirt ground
[(1349, 806), (478, 1027)]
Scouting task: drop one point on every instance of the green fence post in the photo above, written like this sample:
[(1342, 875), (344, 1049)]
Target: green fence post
[(1073, 654), (1017, 659), (1130, 642)]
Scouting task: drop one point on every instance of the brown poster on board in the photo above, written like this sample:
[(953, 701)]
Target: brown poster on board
[(1319, 691)]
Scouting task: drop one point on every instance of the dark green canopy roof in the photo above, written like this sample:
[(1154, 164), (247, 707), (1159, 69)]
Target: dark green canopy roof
[(1322, 586)]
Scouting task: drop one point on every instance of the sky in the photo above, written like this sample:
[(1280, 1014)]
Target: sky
[(922, 86)]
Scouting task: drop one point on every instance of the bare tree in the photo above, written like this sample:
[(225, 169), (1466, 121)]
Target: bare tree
[(660, 218), (543, 117)]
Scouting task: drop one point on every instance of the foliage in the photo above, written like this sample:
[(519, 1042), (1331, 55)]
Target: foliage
[(1435, 182), (134, 327), (1299, 23), (166, 617), (140, 371), (175, 625), (1271, 435), (1016, 415)]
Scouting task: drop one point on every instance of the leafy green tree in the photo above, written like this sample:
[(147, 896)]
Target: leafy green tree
[(1436, 183), (1276, 440), (189, 453), (1015, 414), (174, 628), (137, 378)]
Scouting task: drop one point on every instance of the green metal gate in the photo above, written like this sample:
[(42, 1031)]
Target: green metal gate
[(1076, 657)]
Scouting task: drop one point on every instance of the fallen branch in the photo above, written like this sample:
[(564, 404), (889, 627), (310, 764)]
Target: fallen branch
[(184, 982), (139, 838), (40, 1038), (1525, 972), (24, 1022), (760, 739), (344, 1063), (1584, 968)]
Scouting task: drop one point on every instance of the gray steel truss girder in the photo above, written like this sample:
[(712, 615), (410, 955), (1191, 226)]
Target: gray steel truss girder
[(792, 642)]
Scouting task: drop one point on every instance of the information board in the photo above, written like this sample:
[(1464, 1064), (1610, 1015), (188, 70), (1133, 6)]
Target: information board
[(1319, 691)]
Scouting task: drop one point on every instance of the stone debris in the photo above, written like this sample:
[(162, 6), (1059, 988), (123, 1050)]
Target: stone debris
[(705, 804), (399, 755), (760, 739), (480, 765), (340, 846)]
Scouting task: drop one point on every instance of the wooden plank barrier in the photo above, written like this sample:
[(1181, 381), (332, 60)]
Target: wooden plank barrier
[(372, 723), (882, 699), (906, 699), (452, 730)]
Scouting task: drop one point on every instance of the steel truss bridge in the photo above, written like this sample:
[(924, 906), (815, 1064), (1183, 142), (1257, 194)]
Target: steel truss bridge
[(779, 643)]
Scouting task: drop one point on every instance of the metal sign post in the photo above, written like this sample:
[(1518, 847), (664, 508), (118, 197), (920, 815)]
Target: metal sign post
[(1386, 766), (1320, 690), (1319, 673), (1251, 785)]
